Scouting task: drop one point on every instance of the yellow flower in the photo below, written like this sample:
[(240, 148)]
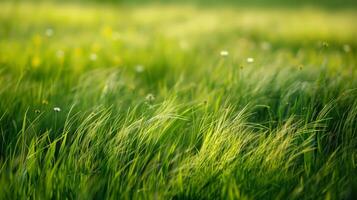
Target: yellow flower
[(77, 51), (37, 40), (107, 32), (36, 61), (96, 47)]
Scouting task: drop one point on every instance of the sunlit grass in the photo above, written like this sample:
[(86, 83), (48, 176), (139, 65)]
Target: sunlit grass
[(177, 102)]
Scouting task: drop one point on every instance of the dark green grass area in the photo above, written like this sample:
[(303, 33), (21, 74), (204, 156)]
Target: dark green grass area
[(177, 102)]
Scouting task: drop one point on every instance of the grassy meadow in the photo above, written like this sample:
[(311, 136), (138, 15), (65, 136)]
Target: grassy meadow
[(177, 101)]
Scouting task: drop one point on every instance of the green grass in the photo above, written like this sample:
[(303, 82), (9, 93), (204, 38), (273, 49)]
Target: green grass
[(149, 109)]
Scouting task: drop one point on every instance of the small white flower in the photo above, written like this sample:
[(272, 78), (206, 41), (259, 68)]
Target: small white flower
[(60, 54), (57, 109), (250, 60), (139, 68), (93, 57), (224, 53), (49, 32), (150, 97)]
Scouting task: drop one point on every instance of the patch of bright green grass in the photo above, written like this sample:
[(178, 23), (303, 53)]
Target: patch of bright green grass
[(177, 102)]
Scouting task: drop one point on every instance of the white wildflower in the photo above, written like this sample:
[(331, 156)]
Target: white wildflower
[(250, 60), (57, 109), (224, 53), (93, 57), (150, 97), (139, 68), (49, 32)]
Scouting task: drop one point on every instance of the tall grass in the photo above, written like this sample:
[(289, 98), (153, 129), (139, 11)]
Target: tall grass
[(149, 109)]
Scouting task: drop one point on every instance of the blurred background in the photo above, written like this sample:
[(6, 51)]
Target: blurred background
[(331, 4)]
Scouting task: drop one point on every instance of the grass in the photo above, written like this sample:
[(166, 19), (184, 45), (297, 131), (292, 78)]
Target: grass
[(146, 107)]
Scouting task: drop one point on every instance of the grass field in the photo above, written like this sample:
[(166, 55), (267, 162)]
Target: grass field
[(177, 102)]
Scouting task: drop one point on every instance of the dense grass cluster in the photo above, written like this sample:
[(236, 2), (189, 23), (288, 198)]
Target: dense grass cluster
[(177, 102)]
